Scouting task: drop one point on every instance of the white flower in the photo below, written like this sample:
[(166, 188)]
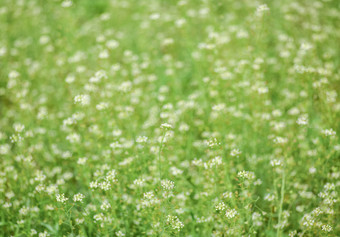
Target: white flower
[(142, 139), (102, 106), (99, 217), (139, 182), (18, 127), (246, 174), (61, 198), (307, 220), (220, 207), (94, 184), (82, 161), (216, 161), (105, 205), (276, 163), (4, 149), (261, 9), (44, 234), (167, 184), (120, 234), (79, 221), (235, 152), (213, 142), (302, 120), (280, 140), (112, 44), (166, 126), (78, 197), (227, 195), (262, 90), (105, 185), (327, 228), (312, 170), (174, 222), (329, 132), (82, 99), (269, 197), (67, 3), (231, 213), (73, 138)]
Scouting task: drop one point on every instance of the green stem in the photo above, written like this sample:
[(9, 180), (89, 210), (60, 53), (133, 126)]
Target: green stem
[(278, 232)]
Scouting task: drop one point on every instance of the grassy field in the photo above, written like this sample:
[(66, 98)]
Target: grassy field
[(191, 118)]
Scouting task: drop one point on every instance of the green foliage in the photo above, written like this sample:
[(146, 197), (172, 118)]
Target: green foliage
[(169, 118)]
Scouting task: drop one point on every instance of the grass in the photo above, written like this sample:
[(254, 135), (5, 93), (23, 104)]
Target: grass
[(169, 118)]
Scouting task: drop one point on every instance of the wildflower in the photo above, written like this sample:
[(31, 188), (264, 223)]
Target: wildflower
[(276, 163), (61, 198), (15, 138), (216, 161), (175, 223), (235, 152), (218, 107), (262, 90), (4, 149), (312, 170), (302, 120), (82, 160), (105, 185), (230, 213), (78, 197), (329, 132), (105, 205), (167, 184), (102, 106), (213, 142), (44, 234), (98, 217), (327, 228), (120, 234), (79, 221), (67, 3), (280, 140), (94, 184), (139, 182), (307, 220), (142, 139), (220, 207), (82, 99), (269, 197), (73, 138), (246, 174), (112, 44), (19, 127), (261, 9), (111, 176), (166, 126), (257, 219), (227, 195), (175, 171)]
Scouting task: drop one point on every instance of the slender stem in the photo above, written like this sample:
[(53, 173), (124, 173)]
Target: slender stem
[(278, 233), (159, 158), (160, 179)]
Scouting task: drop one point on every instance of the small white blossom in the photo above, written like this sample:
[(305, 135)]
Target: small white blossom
[(329, 132), (61, 198), (82, 99), (78, 197), (230, 213), (167, 184), (235, 152)]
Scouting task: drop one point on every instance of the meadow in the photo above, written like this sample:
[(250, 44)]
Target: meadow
[(191, 118)]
